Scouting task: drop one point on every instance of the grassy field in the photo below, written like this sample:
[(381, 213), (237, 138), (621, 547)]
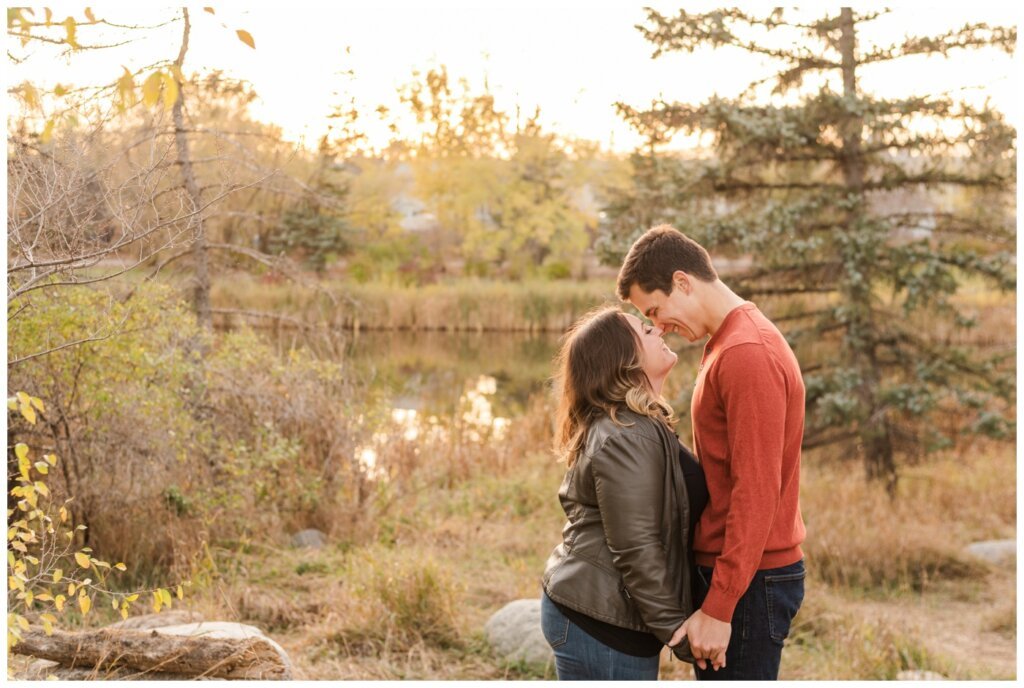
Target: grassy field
[(888, 588), (415, 565)]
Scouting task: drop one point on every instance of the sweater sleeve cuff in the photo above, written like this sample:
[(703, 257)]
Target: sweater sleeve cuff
[(720, 605)]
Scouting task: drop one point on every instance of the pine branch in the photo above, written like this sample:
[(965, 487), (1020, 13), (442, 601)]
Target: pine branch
[(970, 36)]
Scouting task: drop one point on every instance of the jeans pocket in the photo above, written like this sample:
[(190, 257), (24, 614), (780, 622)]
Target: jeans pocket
[(784, 593), (553, 623)]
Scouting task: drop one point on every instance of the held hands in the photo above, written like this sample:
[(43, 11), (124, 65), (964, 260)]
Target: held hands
[(708, 636)]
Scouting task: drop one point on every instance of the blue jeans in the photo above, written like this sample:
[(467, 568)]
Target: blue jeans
[(760, 623), (579, 657)]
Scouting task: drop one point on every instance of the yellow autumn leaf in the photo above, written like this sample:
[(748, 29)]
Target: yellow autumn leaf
[(49, 16), (47, 627), (126, 89), (165, 596), (113, 604), (58, 602), (31, 97), (42, 467), (44, 597), (151, 89), (28, 412), (63, 515), (14, 583), (157, 602), (47, 134), (71, 589), (21, 621), (246, 38), (124, 611), (12, 404), (82, 560), (131, 598), (36, 401), (23, 398), (84, 603), (170, 91), (89, 15), (29, 597), (70, 27), (51, 459), (208, 9), (181, 593), (120, 566), (21, 450), (57, 575)]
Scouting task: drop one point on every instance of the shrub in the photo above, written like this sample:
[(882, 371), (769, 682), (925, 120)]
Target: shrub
[(52, 578)]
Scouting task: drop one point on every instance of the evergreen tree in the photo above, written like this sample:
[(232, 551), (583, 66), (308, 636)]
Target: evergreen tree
[(845, 202)]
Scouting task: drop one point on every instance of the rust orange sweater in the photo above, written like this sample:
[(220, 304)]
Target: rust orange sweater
[(748, 424)]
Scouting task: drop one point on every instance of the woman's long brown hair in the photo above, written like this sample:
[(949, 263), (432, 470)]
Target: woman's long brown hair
[(600, 373)]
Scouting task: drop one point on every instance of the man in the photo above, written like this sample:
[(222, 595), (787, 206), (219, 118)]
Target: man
[(748, 421)]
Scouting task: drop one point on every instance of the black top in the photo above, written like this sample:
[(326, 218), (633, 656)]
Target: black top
[(626, 640)]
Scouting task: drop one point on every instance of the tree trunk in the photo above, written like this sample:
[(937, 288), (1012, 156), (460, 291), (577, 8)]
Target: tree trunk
[(106, 649), (875, 427), (201, 276)]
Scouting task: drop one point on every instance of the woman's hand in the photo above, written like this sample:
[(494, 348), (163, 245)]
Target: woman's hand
[(709, 639)]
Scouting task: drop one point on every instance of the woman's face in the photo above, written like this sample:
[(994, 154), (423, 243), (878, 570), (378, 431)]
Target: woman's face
[(655, 356)]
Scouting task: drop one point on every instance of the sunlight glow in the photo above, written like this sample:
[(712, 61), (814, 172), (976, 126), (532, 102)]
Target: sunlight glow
[(574, 60)]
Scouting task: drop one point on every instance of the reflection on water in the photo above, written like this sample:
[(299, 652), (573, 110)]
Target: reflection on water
[(422, 387), (476, 423)]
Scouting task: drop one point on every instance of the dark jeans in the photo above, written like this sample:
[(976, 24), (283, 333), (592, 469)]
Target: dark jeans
[(579, 657), (760, 623)]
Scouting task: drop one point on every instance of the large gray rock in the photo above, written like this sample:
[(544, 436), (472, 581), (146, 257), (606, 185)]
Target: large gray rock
[(514, 633), (997, 552), (311, 538), (150, 621)]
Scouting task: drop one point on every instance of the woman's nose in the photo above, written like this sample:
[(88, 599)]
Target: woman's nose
[(657, 330)]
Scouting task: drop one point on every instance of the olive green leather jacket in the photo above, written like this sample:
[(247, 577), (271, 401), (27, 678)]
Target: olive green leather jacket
[(625, 557)]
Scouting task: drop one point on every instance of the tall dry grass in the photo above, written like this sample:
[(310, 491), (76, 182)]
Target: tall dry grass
[(463, 305), (857, 537)]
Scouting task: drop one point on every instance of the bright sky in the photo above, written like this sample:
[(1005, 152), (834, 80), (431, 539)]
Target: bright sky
[(574, 59)]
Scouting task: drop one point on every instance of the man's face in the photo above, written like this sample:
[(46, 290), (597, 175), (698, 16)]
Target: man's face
[(674, 312)]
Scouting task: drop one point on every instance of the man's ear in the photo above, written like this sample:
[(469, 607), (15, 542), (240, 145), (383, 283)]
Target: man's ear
[(681, 281)]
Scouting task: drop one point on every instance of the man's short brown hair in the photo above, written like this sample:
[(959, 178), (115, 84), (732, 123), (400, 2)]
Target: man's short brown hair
[(658, 253)]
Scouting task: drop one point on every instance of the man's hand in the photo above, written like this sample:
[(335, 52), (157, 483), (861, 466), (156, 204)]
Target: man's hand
[(709, 638)]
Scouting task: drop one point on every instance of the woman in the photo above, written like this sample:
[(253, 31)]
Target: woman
[(618, 586)]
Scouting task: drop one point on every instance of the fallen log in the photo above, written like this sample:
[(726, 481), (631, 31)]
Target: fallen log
[(195, 656)]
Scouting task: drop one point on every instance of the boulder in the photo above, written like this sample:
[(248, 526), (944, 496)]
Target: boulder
[(311, 538), (998, 552), (149, 621), (514, 633)]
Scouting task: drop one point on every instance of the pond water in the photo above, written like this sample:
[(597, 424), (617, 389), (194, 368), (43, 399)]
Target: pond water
[(422, 384)]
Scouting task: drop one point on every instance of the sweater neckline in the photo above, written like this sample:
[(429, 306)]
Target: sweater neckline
[(726, 322)]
